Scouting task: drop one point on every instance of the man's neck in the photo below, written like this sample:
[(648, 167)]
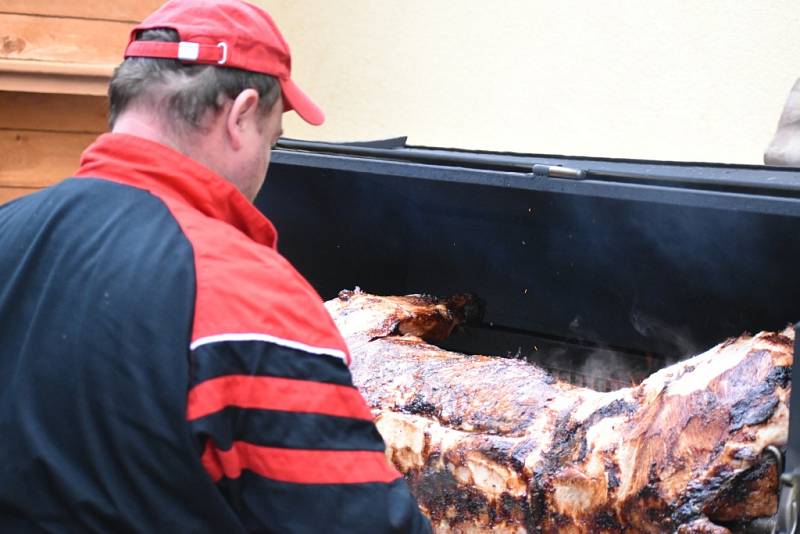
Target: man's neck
[(147, 126)]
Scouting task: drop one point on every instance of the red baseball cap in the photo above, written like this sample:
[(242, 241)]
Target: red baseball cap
[(226, 33)]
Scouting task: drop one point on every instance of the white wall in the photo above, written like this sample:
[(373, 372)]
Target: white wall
[(701, 80)]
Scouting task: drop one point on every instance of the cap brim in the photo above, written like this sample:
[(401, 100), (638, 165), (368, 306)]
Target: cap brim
[(295, 99)]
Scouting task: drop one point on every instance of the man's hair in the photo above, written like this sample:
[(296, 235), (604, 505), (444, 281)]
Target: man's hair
[(182, 92)]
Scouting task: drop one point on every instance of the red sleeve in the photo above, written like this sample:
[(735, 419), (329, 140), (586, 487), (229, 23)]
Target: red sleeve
[(283, 432)]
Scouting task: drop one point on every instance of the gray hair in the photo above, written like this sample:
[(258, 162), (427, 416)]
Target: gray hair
[(182, 92)]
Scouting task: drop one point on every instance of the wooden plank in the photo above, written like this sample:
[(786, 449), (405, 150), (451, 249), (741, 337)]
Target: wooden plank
[(62, 39), (57, 113), (121, 10), (47, 84), (38, 159), (10, 193), (33, 76)]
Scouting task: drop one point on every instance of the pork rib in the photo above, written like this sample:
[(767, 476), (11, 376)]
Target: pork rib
[(497, 444)]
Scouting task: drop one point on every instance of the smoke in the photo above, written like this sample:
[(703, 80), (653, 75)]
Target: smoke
[(596, 367), (676, 339), (669, 277)]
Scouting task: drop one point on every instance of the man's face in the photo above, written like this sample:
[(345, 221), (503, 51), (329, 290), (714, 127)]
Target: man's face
[(241, 145), (259, 149), (259, 132)]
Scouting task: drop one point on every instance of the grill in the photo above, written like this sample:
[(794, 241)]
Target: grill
[(600, 270)]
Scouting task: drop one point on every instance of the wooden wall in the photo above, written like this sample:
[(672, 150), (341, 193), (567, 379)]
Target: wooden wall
[(56, 57), (42, 137)]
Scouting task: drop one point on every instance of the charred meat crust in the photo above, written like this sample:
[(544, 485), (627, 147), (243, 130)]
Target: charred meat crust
[(679, 453)]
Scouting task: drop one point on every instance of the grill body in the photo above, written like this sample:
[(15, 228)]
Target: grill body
[(667, 264)]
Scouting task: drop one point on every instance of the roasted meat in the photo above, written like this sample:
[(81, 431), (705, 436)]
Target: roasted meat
[(497, 444)]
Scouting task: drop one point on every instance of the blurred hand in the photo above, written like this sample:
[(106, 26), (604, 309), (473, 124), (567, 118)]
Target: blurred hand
[(784, 149)]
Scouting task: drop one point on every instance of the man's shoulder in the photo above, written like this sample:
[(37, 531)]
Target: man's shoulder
[(96, 210), (114, 250), (257, 269), (246, 287)]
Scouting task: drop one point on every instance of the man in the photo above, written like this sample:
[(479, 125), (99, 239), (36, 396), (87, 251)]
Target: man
[(162, 368), (784, 149)]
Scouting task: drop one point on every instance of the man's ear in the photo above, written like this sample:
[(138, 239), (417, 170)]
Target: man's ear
[(242, 114)]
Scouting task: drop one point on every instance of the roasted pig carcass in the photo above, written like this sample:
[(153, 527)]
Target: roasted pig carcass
[(497, 444)]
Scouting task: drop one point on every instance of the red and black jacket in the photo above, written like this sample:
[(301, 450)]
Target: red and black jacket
[(164, 369)]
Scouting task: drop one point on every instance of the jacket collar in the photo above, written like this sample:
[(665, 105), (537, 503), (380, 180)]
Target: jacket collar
[(170, 175)]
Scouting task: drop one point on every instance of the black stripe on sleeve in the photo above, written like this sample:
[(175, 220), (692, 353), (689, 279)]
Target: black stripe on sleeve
[(286, 507), (260, 358), (289, 430)]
